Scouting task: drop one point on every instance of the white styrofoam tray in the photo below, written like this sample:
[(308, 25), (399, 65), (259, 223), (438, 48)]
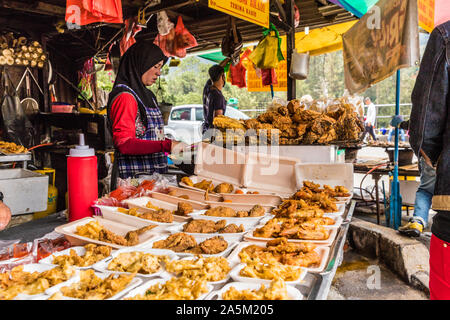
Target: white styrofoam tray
[(194, 195), (144, 287), (133, 284), (102, 265), (230, 237), (246, 221), (234, 273), (238, 206), (328, 242), (323, 252), (197, 179), (81, 251), (224, 253), (120, 229), (261, 199), (112, 213), (337, 218), (39, 267), (293, 293), (196, 205)]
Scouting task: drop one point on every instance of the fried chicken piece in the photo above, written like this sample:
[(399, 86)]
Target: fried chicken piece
[(301, 259), (220, 225), (317, 233), (108, 236), (311, 185), (187, 181), (232, 228), (214, 245), (161, 215), (178, 242), (252, 124), (268, 117), (294, 105), (200, 226), (184, 209), (224, 188), (282, 245), (284, 111), (221, 212), (282, 122), (301, 129), (195, 250), (132, 237), (242, 214), (270, 230), (256, 211), (205, 185), (302, 116)]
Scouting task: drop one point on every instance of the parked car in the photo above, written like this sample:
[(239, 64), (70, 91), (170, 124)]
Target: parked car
[(185, 122)]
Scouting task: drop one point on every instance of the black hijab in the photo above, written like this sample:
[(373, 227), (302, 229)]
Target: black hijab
[(140, 57)]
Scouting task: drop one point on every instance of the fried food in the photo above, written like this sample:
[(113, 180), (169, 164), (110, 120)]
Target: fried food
[(94, 253), (137, 262), (220, 211), (224, 188), (276, 291), (162, 215), (92, 287), (297, 209), (187, 181), (224, 123), (183, 209), (11, 147), (209, 226), (175, 289), (271, 271), (182, 242), (281, 251), (298, 229), (205, 185), (18, 281), (256, 211), (210, 268), (151, 206)]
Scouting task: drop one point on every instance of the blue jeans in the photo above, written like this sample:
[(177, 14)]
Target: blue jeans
[(424, 193), (392, 134)]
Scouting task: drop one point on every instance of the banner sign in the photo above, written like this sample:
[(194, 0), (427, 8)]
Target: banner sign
[(254, 83), (383, 41), (254, 11)]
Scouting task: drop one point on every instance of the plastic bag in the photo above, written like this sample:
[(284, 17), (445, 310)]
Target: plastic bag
[(232, 43), (82, 12), (238, 72), (268, 53), (268, 77), (131, 29), (164, 24), (176, 41)]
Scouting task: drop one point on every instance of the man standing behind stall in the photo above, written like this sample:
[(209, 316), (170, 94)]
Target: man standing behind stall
[(214, 103)]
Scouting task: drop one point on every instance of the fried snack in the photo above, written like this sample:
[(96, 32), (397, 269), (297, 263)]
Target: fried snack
[(222, 122), (162, 215), (221, 211), (187, 181), (256, 211), (18, 281), (210, 268), (271, 271), (270, 230), (175, 289), (94, 253), (151, 206), (306, 229), (209, 226), (205, 185), (11, 147), (232, 228), (178, 242), (297, 209), (224, 188), (91, 287), (213, 245), (137, 262), (338, 191), (276, 291), (183, 209)]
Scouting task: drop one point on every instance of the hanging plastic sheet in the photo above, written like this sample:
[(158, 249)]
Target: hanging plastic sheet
[(177, 41), (83, 12)]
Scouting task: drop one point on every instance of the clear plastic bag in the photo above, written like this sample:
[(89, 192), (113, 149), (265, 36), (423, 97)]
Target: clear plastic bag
[(164, 24)]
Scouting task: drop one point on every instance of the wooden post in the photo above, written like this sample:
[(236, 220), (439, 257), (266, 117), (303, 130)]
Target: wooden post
[(290, 40)]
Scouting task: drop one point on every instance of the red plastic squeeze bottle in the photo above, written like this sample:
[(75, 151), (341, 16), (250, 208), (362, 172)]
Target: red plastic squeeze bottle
[(82, 179)]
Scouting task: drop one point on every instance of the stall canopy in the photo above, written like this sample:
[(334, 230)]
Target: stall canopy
[(357, 7)]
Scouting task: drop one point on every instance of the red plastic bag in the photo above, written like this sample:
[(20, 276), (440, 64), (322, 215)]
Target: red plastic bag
[(82, 12), (268, 77), (131, 29), (177, 41), (237, 73)]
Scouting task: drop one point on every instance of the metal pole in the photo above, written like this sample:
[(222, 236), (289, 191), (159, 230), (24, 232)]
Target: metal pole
[(290, 46), (397, 199)]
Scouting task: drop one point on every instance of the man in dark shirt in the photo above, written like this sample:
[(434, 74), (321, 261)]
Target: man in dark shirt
[(214, 103)]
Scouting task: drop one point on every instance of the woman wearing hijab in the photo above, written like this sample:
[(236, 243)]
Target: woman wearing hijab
[(136, 121)]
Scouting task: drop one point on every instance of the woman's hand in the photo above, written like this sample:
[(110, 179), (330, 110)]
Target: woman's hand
[(5, 215), (178, 147)]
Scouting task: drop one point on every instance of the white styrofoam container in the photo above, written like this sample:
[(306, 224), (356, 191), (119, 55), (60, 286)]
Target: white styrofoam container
[(143, 288), (39, 267), (332, 174), (112, 213), (194, 195), (304, 153), (323, 252), (197, 179), (102, 265), (224, 253), (24, 191), (247, 221), (293, 293), (196, 205), (81, 251), (338, 221), (328, 242), (120, 229), (133, 284), (234, 273), (261, 199), (230, 237), (140, 204)]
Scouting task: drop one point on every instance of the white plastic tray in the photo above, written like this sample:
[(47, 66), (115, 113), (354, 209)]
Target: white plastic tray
[(81, 251), (194, 195), (230, 237), (102, 265), (118, 228), (337, 218), (133, 284), (224, 253), (143, 288), (323, 251), (333, 232), (140, 203), (197, 179), (234, 273), (112, 213), (248, 222), (238, 206), (293, 293), (261, 199), (39, 267), (196, 205)]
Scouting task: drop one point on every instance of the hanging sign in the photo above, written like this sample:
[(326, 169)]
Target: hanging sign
[(384, 40), (254, 11)]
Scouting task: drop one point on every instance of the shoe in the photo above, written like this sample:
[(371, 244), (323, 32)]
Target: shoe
[(411, 229)]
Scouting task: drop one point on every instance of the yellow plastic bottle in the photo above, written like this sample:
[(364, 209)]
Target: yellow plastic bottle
[(52, 198)]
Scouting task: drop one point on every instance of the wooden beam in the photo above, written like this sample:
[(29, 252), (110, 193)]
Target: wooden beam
[(38, 7)]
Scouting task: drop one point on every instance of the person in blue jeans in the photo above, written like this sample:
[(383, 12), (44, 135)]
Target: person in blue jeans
[(424, 193), (392, 133)]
